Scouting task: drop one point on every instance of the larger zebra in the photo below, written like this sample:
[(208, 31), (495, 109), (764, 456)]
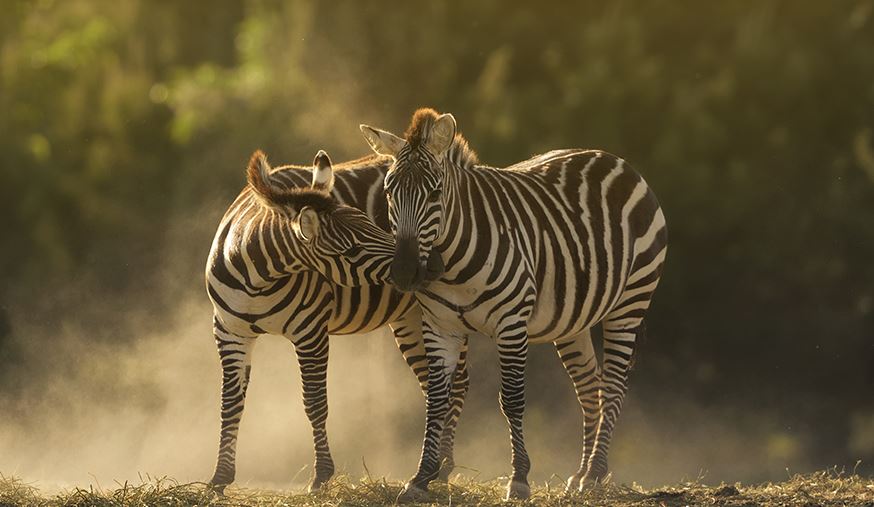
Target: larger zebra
[(289, 259), (537, 252)]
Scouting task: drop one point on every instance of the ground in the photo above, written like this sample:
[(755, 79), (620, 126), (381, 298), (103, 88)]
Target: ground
[(819, 489)]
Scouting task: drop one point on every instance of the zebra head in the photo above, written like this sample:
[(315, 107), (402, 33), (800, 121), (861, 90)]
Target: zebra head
[(338, 241), (414, 189)]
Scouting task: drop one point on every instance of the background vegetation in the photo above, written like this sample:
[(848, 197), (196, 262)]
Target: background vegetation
[(125, 126)]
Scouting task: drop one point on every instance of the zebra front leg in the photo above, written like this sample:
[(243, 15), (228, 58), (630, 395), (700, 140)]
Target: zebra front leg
[(578, 357), (408, 335), (235, 353), (620, 335), (512, 344), (460, 385), (312, 356), (442, 354)]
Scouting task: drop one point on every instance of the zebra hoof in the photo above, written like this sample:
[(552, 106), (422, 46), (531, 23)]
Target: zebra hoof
[(445, 470), (317, 484), (517, 490), (593, 479), (573, 484), (218, 489), (220, 480), (412, 494)]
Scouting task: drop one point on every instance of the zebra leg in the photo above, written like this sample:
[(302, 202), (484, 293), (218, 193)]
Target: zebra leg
[(460, 385), (408, 335), (513, 354), (235, 353), (622, 329), (578, 357), (312, 356), (442, 355)]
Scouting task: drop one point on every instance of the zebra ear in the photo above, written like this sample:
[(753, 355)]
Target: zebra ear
[(258, 175), (442, 134), (382, 142), (306, 224), (323, 173)]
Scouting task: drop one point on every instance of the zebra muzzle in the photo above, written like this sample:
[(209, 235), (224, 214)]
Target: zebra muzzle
[(406, 272)]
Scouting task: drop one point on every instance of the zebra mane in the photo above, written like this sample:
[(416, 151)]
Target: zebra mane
[(417, 133), (262, 181), (370, 160), (420, 126), (367, 161), (461, 154), (298, 198)]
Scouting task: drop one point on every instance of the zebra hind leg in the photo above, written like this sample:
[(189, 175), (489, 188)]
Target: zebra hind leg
[(578, 357), (621, 332), (235, 353), (312, 356)]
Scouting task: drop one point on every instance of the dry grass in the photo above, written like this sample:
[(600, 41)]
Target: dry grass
[(819, 489)]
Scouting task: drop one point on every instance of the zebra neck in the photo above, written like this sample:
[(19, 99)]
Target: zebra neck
[(262, 248), (454, 186), (460, 154)]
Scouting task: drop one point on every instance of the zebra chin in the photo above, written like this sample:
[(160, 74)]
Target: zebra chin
[(409, 274), (435, 268), (407, 278)]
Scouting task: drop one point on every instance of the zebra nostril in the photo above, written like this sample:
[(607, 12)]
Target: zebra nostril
[(434, 268)]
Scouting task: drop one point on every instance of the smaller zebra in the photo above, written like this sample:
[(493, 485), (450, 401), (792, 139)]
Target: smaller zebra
[(282, 262)]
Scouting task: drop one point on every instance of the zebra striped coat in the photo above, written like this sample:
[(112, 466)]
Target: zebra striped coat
[(261, 281), (537, 252)]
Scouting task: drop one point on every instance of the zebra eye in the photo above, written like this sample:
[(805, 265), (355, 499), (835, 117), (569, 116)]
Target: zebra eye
[(352, 251), (434, 195)]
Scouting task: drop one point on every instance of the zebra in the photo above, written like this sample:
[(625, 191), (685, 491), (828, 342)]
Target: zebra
[(536, 252), (291, 258)]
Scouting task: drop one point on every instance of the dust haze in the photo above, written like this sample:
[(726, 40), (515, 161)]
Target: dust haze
[(112, 385), (124, 387)]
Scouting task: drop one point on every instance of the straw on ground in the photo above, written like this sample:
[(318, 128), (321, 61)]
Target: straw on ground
[(829, 488)]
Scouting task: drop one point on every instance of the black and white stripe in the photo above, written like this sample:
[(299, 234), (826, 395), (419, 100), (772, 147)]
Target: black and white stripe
[(537, 252), (291, 258)]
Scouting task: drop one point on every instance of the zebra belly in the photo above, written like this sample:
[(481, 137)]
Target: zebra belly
[(550, 322), (353, 309), (547, 324), (560, 313), (367, 308), (560, 310), (576, 310)]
